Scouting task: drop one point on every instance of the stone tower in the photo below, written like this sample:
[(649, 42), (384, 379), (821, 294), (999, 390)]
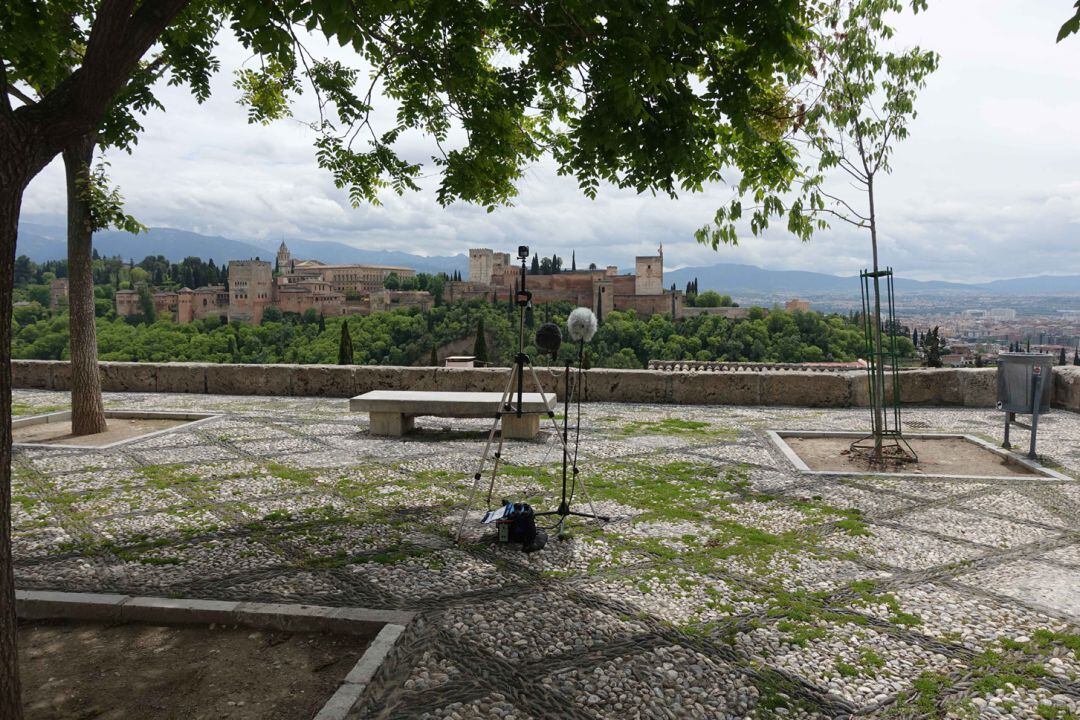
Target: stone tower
[(284, 258), (649, 276), (481, 261), (250, 289), (185, 311)]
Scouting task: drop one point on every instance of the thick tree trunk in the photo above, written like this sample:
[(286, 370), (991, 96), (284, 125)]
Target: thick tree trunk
[(13, 180), (87, 408), (30, 137)]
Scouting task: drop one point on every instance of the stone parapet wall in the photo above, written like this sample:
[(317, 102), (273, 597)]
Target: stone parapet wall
[(941, 387)]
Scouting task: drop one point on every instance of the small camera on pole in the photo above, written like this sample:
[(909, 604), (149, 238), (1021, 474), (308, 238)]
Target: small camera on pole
[(523, 297)]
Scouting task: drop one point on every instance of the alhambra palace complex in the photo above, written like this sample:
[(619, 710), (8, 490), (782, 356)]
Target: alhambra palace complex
[(296, 287), (301, 285), (603, 290)]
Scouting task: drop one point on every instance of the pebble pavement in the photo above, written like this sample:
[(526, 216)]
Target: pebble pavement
[(726, 586)]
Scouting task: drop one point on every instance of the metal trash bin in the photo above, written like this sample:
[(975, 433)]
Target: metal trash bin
[(1023, 386)]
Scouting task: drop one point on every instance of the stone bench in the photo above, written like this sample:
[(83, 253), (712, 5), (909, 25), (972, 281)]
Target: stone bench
[(392, 411)]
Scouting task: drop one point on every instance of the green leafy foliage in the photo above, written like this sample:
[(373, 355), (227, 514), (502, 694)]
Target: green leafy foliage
[(1070, 26), (854, 105), (408, 337)]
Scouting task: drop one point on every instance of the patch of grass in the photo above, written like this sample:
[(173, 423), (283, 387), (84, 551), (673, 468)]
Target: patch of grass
[(929, 687), (866, 592), (1043, 640), (296, 475), (846, 670), (327, 562), (800, 633), (163, 477), (23, 408), (1054, 712), (993, 670), (853, 526), (677, 426)]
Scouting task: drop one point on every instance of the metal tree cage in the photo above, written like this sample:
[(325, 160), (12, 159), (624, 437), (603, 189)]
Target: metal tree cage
[(885, 424)]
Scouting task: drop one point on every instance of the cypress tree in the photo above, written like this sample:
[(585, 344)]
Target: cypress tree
[(1076, 356), (1028, 345), (573, 261), (535, 269), (322, 324), (480, 348), (345, 351), (1062, 359), (434, 359)]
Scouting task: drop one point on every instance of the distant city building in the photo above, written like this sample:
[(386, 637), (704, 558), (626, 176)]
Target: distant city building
[(1001, 314), (797, 305)]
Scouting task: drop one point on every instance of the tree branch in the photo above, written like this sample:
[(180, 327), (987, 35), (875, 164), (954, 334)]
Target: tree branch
[(850, 209)]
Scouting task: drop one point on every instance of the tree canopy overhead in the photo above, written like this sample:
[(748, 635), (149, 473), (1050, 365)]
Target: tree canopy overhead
[(655, 96), (658, 96)]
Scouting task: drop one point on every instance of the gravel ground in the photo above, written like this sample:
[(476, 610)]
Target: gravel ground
[(727, 585)]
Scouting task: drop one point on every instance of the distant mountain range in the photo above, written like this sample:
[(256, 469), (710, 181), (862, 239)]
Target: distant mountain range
[(46, 242), (731, 278)]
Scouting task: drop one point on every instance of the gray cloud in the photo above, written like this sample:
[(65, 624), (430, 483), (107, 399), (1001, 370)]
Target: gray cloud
[(985, 187)]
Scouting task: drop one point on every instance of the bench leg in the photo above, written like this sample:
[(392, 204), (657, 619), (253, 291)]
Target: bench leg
[(525, 427), (392, 424)]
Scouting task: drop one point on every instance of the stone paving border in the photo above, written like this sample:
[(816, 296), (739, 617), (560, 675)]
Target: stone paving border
[(62, 415), (41, 605), (776, 437)]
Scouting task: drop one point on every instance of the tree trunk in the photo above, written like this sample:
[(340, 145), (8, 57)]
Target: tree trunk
[(87, 408), (879, 369), (13, 180)]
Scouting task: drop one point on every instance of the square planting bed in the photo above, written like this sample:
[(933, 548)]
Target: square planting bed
[(53, 430), (824, 452), (122, 656)]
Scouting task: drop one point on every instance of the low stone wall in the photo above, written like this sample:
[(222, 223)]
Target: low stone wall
[(940, 387)]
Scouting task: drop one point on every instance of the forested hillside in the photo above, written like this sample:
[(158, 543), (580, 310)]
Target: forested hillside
[(624, 340)]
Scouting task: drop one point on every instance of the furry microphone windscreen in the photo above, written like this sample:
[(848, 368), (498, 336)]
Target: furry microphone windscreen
[(581, 324)]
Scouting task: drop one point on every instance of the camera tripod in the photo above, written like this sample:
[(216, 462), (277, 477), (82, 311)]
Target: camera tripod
[(515, 386), (563, 511)]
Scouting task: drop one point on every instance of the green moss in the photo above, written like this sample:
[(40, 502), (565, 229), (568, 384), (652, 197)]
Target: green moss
[(677, 426), (846, 670), (163, 477), (1054, 712), (296, 475), (326, 562), (993, 670)]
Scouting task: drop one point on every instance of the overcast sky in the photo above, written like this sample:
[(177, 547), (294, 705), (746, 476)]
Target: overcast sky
[(987, 186)]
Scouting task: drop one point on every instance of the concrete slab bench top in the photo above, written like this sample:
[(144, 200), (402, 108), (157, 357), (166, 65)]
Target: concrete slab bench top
[(392, 411)]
